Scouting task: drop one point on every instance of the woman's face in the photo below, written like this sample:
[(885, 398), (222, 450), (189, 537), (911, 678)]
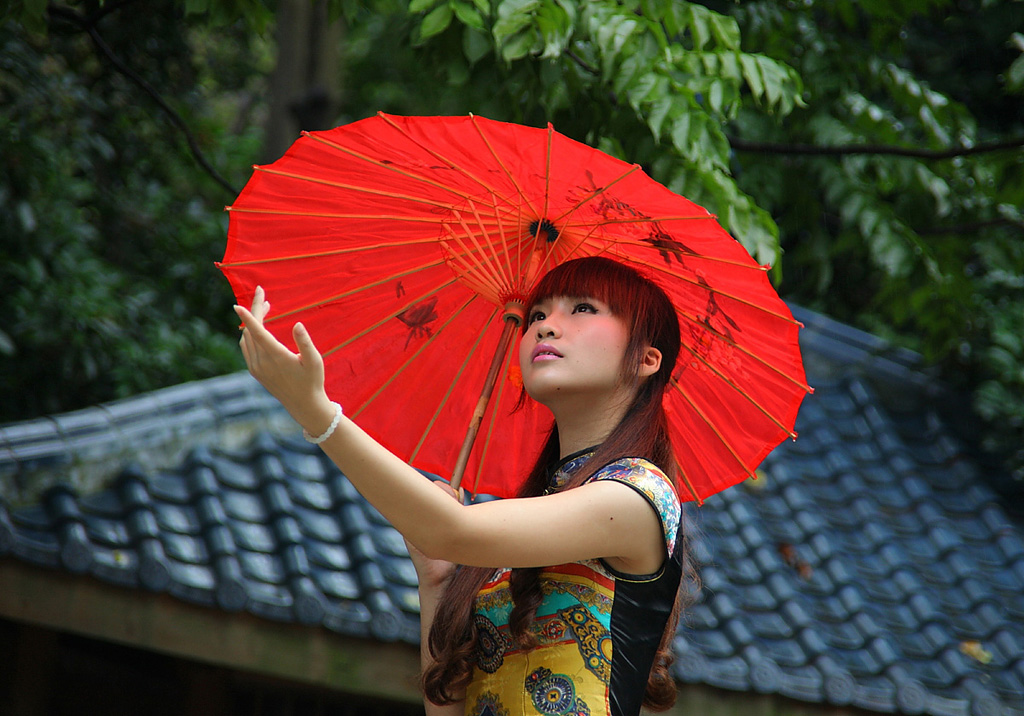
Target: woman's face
[(573, 347)]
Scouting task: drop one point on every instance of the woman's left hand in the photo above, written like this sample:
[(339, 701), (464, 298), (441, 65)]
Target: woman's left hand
[(295, 379)]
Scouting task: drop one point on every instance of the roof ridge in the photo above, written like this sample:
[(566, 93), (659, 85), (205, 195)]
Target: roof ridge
[(159, 428)]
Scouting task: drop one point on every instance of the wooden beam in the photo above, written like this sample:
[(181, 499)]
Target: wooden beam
[(309, 655), (164, 624)]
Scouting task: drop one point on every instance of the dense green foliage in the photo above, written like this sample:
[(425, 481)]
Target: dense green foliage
[(918, 237), (877, 144), (108, 231)]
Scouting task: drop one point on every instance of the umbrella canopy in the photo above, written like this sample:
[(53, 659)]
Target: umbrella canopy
[(402, 242)]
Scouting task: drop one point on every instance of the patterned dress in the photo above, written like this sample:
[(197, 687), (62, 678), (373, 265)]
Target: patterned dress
[(597, 630)]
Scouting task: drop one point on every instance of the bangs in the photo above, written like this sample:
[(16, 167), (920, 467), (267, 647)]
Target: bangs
[(595, 277)]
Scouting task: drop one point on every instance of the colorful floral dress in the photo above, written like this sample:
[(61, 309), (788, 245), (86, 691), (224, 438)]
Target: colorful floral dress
[(597, 630)]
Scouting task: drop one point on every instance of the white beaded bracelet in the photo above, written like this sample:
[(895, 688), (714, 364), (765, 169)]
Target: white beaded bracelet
[(330, 430)]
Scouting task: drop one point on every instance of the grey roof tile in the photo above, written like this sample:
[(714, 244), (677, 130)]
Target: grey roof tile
[(731, 672), (802, 682)]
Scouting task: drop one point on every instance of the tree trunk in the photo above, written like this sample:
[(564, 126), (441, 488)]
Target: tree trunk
[(304, 86)]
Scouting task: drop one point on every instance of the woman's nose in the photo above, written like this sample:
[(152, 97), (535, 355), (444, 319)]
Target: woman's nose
[(546, 329)]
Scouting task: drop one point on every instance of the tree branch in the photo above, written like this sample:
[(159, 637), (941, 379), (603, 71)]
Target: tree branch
[(742, 145), (580, 61), (88, 25)]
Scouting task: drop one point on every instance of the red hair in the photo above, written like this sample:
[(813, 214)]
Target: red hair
[(642, 432)]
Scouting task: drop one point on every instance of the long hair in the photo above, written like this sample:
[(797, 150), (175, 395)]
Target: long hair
[(642, 432)]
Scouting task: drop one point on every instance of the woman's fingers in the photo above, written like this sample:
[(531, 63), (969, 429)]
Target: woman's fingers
[(252, 323), (257, 342), (260, 305)]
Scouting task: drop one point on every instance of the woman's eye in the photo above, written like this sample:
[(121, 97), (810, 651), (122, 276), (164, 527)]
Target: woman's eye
[(584, 308), (536, 316)]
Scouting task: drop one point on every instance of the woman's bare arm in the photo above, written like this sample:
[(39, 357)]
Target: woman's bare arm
[(604, 519)]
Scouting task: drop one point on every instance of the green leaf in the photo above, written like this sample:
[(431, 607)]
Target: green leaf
[(715, 96), (655, 9), (612, 36), (648, 87), (513, 17), (436, 21), (555, 28), (657, 114), (725, 31), (468, 14), (475, 45), (752, 75), (7, 346), (681, 133), (698, 24), (518, 46), (1015, 76)]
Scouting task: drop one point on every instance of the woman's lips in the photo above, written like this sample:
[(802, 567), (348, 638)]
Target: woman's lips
[(544, 352)]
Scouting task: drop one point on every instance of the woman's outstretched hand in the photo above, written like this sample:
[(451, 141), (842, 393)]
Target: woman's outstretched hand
[(295, 379)]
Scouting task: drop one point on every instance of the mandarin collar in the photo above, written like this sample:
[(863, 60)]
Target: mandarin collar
[(564, 469)]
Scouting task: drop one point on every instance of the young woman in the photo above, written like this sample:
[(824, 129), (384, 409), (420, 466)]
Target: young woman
[(566, 598)]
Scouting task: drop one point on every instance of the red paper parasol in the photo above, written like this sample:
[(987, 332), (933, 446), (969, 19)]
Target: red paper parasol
[(402, 242)]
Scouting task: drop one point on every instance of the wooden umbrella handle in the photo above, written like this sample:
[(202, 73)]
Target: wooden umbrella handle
[(513, 319)]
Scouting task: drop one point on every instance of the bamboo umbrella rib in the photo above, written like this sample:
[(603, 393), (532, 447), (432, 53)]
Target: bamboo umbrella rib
[(700, 413), (712, 289), (503, 237), (686, 481), (440, 157), (522, 256), (522, 195), (394, 168), (598, 249), (644, 219), (523, 253), (332, 215), (547, 172), (488, 246), (394, 314), (597, 192), (359, 289), (334, 252), (573, 209), (458, 376), (621, 241), (728, 381), (746, 351), (494, 416), (472, 261), (503, 252), (362, 189), (401, 369), (566, 226), (491, 223), (549, 247), (500, 266)]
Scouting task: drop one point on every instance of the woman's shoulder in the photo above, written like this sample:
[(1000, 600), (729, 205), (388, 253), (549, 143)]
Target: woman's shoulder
[(650, 481), (636, 470)]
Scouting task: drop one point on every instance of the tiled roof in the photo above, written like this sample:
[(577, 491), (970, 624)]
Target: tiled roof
[(870, 566)]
